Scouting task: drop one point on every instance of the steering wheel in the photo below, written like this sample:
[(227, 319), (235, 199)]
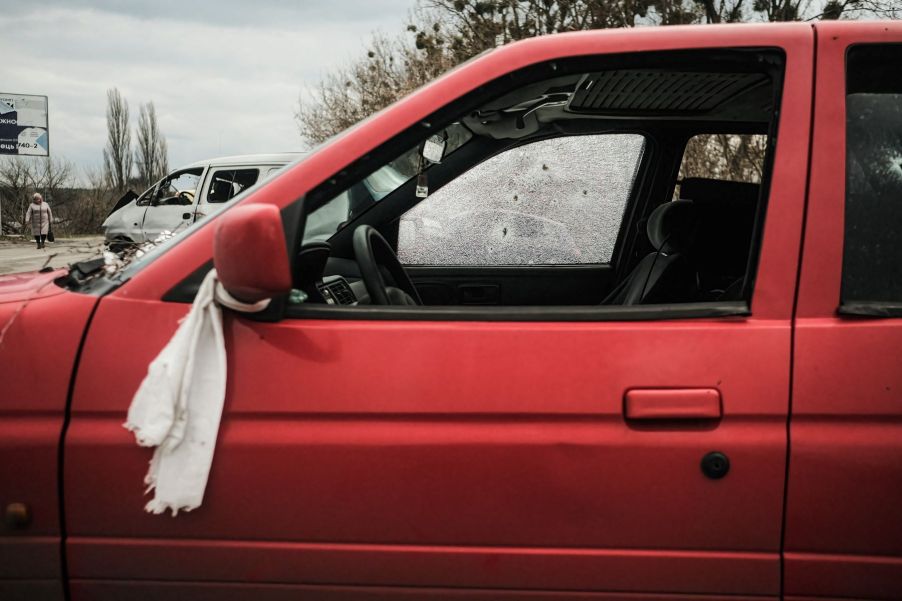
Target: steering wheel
[(373, 254)]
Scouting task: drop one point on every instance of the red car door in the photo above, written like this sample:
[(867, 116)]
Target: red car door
[(844, 527), (403, 458)]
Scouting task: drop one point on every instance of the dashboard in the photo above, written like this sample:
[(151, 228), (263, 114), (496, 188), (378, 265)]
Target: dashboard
[(329, 280)]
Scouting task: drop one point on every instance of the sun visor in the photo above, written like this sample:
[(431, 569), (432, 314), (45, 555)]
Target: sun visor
[(652, 91)]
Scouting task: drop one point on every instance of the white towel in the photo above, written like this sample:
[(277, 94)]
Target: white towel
[(178, 406)]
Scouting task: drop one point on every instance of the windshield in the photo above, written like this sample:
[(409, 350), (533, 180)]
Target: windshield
[(326, 220), (351, 203)]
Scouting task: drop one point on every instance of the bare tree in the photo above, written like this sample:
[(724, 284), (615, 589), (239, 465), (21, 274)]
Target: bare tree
[(725, 157), (442, 33), (89, 206), (860, 9), (162, 154), (389, 71), (17, 175), (117, 156), (150, 152), (20, 177)]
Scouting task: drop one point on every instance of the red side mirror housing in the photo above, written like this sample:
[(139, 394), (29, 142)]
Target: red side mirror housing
[(250, 254)]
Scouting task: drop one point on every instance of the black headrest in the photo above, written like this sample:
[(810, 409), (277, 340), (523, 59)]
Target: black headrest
[(726, 222), (221, 190), (671, 226), (311, 262)]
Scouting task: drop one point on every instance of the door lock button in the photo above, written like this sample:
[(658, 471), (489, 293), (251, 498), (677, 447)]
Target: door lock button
[(715, 465)]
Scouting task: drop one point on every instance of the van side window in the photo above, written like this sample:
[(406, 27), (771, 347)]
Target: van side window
[(872, 270), (228, 183)]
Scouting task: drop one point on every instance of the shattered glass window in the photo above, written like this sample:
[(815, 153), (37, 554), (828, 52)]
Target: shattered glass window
[(553, 202), (872, 269)]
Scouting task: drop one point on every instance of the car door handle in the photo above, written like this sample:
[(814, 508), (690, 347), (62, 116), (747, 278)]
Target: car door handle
[(186, 215), (672, 404)]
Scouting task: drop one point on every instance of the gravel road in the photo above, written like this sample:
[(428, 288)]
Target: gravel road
[(16, 256)]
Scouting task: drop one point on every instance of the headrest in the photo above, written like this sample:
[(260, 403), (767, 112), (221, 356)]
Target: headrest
[(726, 221), (671, 226), (311, 262), (221, 190)]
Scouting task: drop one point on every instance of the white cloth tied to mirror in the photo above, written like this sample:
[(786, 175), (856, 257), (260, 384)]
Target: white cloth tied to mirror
[(178, 405)]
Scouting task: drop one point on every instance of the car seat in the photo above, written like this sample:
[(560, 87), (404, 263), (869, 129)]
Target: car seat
[(668, 274)]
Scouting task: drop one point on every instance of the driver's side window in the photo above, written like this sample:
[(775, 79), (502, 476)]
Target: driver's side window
[(147, 197), (558, 201)]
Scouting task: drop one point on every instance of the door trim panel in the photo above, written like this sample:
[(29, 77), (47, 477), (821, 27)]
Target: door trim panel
[(664, 571), (115, 590)]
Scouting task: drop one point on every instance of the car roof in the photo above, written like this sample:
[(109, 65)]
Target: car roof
[(282, 158)]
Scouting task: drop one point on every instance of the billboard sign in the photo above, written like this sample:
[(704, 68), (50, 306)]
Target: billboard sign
[(23, 125)]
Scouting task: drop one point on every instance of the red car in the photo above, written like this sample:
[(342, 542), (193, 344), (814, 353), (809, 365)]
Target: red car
[(703, 400)]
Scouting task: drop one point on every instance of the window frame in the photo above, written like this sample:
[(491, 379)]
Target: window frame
[(295, 212), (620, 260), (146, 198)]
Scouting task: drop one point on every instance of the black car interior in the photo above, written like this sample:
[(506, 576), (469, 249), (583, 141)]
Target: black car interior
[(699, 246)]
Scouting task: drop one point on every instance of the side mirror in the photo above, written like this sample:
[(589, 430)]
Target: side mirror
[(250, 254)]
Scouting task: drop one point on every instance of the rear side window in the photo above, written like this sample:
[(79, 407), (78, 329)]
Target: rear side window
[(872, 260), (723, 157), (228, 183), (553, 202), (731, 157)]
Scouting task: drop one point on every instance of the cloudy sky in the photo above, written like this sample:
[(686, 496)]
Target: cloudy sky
[(224, 75)]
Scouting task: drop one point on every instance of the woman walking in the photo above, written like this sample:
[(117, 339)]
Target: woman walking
[(40, 216)]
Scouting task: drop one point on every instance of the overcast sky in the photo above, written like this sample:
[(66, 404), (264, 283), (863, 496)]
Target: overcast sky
[(224, 75)]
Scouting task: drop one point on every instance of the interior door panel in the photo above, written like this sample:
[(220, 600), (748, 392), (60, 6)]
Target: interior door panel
[(533, 285)]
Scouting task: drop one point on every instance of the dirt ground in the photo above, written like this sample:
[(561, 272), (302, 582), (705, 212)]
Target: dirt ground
[(19, 255)]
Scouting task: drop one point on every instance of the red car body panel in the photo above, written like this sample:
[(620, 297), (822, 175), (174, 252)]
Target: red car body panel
[(843, 523), (42, 327), (482, 455)]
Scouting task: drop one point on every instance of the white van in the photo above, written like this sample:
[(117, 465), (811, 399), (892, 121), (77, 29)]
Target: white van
[(188, 194)]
